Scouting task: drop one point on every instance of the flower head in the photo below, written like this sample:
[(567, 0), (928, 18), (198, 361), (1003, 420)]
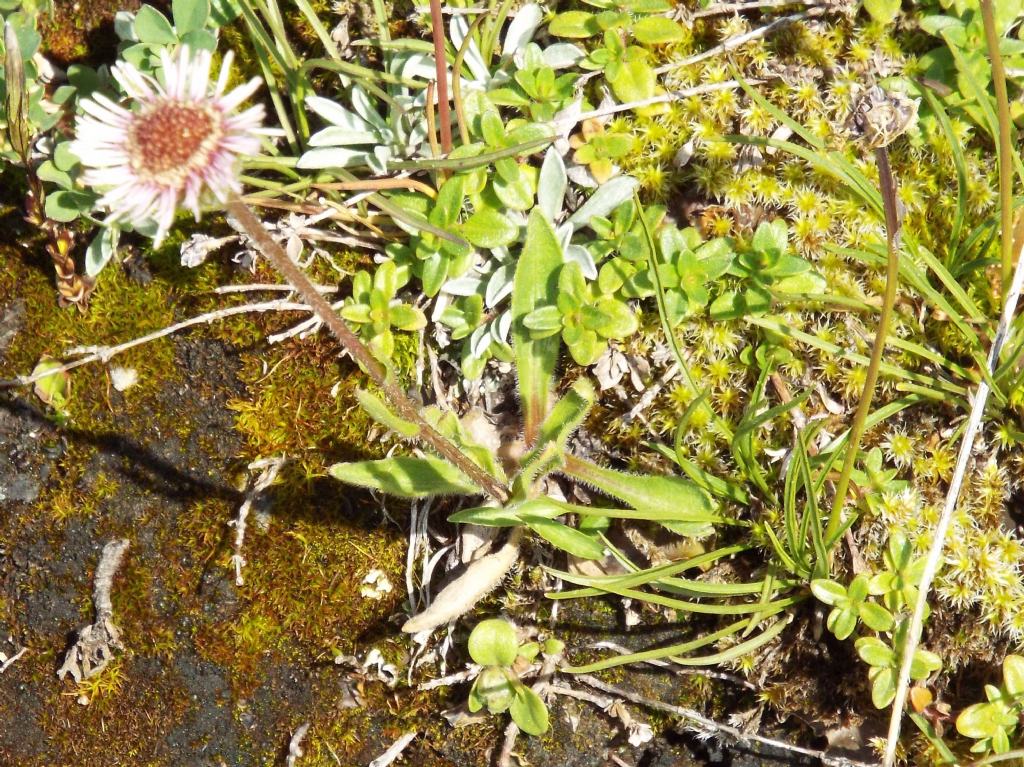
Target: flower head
[(176, 141)]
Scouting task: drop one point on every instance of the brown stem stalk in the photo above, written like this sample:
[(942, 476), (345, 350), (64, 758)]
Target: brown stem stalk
[(441, 64), (405, 407)]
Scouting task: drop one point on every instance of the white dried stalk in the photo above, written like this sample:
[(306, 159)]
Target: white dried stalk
[(704, 725), (105, 353), (394, 751), (461, 677), (269, 469), (942, 527), (459, 596), (295, 745), (259, 287), (95, 645), (735, 42), (6, 663), (305, 328)]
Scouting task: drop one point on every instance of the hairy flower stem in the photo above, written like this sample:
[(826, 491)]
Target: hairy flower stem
[(1005, 144), (892, 230), (441, 64), (406, 408)]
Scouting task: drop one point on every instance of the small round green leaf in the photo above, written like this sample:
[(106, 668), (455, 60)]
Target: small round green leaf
[(494, 642), (657, 30), (152, 27), (190, 15), (827, 591), (876, 617)]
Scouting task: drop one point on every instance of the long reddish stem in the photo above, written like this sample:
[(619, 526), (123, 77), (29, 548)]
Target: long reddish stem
[(441, 62)]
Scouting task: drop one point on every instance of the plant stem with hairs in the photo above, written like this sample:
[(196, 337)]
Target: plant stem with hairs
[(1005, 139), (892, 230), (405, 407)]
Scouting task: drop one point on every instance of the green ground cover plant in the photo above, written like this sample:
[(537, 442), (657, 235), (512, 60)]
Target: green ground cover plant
[(712, 323)]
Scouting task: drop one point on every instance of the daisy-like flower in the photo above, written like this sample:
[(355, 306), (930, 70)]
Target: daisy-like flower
[(174, 144)]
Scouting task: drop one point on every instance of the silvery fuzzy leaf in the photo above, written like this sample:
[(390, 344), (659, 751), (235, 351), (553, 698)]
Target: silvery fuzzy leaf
[(417, 66), (580, 176), (463, 286), (335, 135), (521, 30), (101, 250), (606, 199), (336, 114), (564, 121), (479, 341), (551, 185), (563, 55), (365, 108), (582, 256), (459, 29), (501, 326), (336, 157), (378, 161), (441, 303), (501, 254), (564, 234), (499, 286), (684, 155)]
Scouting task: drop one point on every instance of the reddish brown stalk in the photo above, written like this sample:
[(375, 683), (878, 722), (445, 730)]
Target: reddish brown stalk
[(372, 184), (441, 62), (405, 407)]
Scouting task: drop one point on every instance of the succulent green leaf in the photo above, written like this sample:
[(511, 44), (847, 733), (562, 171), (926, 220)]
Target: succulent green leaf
[(827, 591), (924, 663), (634, 81), (494, 689), (529, 712), (842, 622), (152, 27), (487, 228), (771, 238), (54, 388), (190, 15), (982, 720), (882, 11), (574, 24), (65, 206), (657, 30), (883, 687), (876, 617), (875, 652), (494, 642), (405, 317), (1013, 675), (406, 477)]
